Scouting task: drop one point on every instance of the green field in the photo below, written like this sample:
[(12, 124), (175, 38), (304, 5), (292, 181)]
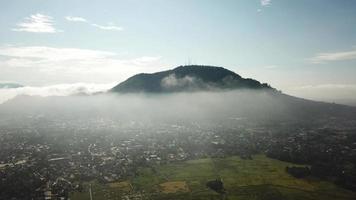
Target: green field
[(259, 178)]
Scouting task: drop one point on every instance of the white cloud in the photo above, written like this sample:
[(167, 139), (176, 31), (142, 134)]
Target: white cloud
[(37, 23), (54, 90), (108, 27), (335, 56), (44, 65), (75, 19), (266, 2), (172, 82)]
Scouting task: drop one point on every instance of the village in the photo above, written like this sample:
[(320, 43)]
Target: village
[(57, 158)]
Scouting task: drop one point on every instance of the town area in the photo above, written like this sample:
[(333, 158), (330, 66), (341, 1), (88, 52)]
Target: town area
[(50, 159)]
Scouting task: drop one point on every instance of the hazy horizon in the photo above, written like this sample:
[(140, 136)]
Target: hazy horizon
[(291, 45)]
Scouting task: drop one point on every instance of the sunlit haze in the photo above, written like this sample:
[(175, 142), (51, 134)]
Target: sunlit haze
[(304, 48)]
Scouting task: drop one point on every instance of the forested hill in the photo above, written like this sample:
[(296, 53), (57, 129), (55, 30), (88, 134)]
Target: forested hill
[(188, 78)]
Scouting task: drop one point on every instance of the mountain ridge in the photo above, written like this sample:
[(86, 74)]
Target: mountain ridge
[(188, 78)]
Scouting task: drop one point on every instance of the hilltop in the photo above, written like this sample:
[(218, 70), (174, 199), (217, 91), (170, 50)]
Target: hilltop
[(188, 78)]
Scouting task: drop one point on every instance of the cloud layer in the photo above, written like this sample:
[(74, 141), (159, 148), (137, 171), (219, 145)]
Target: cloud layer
[(37, 23), (54, 90)]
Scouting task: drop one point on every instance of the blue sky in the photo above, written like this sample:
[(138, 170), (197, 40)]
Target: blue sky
[(303, 47)]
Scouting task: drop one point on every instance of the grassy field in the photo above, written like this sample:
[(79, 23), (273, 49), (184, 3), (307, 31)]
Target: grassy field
[(261, 178)]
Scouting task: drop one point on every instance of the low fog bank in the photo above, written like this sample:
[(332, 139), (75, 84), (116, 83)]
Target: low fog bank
[(7, 93), (198, 106), (332, 93)]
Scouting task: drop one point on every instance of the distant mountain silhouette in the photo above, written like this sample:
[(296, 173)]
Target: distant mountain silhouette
[(188, 78)]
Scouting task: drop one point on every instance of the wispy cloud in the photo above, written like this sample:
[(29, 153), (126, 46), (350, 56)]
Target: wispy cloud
[(108, 27), (266, 2), (75, 19), (50, 57), (335, 56), (37, 23), (49, 64)]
